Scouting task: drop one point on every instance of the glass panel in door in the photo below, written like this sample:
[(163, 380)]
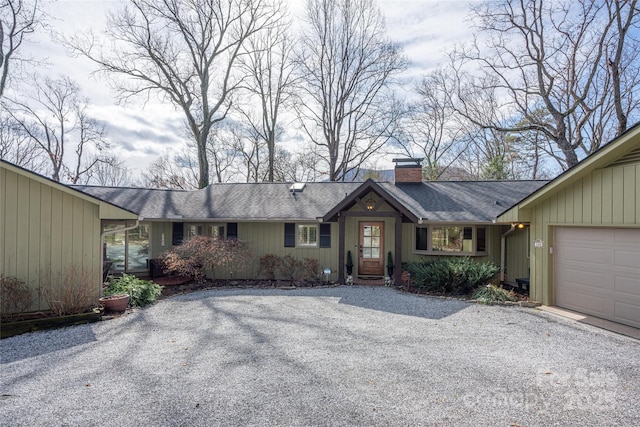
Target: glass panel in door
[(114, 246), (371, 248), (138, 248)]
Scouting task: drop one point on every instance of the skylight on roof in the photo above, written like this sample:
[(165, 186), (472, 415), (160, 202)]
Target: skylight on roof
[(297, 187)]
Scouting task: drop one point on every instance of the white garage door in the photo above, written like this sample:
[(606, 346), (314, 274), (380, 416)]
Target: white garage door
[(597, 272)]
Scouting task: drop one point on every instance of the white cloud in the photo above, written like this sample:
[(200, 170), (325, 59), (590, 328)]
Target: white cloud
[(140, 133)]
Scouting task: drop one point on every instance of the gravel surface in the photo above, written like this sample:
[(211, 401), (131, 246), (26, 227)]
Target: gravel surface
[(321, 356)]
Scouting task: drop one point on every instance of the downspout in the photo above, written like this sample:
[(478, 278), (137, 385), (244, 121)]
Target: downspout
[(106, 233), (503, 246)]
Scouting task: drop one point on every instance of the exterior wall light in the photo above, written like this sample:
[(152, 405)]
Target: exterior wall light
[(370, 203)]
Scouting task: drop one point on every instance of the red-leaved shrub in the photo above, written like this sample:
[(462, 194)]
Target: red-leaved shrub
[(200, 255)]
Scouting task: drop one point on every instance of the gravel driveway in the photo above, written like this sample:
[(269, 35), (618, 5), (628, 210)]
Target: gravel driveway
[(322, 356)]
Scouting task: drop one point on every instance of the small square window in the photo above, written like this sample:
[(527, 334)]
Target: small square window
[(307, 235)]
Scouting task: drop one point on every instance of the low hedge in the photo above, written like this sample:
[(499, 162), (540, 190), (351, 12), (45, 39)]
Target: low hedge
[(459, 275)]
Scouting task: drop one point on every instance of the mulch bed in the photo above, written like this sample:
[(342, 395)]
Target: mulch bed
[(170, 288), (411, 288)]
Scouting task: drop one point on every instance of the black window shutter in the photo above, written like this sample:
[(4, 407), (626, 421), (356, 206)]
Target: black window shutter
[(289, 235), (325, 235), (421, 239), (178, 233), (232, 230)]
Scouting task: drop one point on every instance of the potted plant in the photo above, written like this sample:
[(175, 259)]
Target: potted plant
[(118, 302), (135, 291), (390, 264), (349, 264)]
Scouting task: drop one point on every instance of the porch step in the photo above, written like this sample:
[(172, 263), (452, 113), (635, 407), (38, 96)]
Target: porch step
[(369, 280)]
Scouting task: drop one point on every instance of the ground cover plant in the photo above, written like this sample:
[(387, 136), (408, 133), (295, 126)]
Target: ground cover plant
[(491, 293), (141, 292)]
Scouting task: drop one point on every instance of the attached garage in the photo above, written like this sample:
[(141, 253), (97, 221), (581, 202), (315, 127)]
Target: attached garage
[(584, 235), (597, 272)]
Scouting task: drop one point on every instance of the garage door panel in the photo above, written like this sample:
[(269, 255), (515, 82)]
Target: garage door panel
[(630, 236), (627, 286), (597, 272), (628, 313), (627, 258), (582, 255), (591, 304), (579, 278), (594, 236)]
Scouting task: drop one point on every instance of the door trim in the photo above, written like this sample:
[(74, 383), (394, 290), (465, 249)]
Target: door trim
[(370, 266)]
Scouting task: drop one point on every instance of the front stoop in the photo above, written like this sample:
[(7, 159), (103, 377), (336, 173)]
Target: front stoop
[(369, 282)]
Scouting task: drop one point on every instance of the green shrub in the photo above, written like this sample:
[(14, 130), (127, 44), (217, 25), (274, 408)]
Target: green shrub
[(141, 292), (451, 275), (491, 293)]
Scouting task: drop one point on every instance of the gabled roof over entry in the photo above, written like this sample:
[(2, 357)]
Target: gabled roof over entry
[(360, 192), (443, 201)]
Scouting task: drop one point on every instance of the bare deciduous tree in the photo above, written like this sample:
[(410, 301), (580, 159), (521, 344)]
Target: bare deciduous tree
[(183, 50), (270, 70), (621, 56), (16, 147), (54, 116), (553, 56), (111, 172), (346, 65), (166, 173), (297, 167), (18, 19), (431, 128)]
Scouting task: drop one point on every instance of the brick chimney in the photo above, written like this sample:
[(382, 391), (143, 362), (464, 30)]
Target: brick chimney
[(408, 170)]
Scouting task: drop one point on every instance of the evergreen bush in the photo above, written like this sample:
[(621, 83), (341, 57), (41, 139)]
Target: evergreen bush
[(458, 275)]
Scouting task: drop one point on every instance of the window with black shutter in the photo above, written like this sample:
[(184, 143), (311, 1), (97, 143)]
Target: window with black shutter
[(325, 235), (178, 233), (232, 230), (289, 235), (421, 238)]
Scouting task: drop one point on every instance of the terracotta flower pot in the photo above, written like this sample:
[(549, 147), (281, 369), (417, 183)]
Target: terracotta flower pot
[(115, 302)]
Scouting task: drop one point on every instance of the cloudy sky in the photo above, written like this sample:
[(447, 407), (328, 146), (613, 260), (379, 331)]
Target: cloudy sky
[(140, 134)]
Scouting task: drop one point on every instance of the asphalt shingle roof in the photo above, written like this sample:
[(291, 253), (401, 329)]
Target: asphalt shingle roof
[(149, 203), (454, 201)]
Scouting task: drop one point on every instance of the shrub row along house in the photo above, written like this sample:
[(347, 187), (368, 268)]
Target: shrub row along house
[(575, 240)]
